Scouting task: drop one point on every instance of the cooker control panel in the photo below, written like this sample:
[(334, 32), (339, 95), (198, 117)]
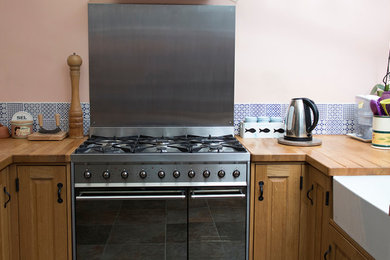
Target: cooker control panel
[(120, 175)]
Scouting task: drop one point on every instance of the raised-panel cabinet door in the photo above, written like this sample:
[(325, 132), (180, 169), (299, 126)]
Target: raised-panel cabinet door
[(315, 214), (342, 247), (276, 211), (5, 215), (42, 212)]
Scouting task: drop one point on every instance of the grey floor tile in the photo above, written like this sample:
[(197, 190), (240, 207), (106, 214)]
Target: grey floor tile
[(130, 251), (137, 233)]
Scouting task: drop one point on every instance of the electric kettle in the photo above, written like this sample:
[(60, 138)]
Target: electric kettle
[(298, 120)]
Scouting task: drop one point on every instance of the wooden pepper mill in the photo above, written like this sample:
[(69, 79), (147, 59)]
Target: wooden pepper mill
[(75, 111)]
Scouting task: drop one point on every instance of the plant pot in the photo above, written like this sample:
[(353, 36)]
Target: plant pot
[(381, 132)]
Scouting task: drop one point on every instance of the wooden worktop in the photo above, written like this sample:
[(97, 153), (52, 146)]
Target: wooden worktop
[(22, 150), (338, 155)]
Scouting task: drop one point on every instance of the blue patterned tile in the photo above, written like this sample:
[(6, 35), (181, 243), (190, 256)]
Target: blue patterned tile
[(349, 111), (236, 128), (86, 124), (258, 109), (320, 129), (3, 111), (48, 110), (35, 126), (241, 111), (334, 127), (273, 110), (323, 111), (33, 108), (4, 121), (348, 126), (63, 110), (283, 113), (86, 110), (12, 108), (64, 125), (335, 112)]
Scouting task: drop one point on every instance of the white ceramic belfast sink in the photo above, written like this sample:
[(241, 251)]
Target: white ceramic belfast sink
[(361, 208)]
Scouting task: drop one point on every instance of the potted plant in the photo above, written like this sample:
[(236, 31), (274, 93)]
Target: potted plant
[(381, 111)]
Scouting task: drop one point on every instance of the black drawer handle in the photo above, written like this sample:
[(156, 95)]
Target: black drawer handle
[(308, 194), (59, 200), (327, 252), (261, 184), (9, 197)]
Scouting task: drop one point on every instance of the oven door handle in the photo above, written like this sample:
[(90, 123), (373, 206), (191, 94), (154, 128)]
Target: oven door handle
[(216, 194), (132, 197)]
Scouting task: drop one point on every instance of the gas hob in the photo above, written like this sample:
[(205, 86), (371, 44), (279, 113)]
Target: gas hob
[(186, 160)]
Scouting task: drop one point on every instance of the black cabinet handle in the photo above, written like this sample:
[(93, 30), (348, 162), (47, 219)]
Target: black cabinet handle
[(308, 194), (59, 200), (9, 197), (327, 252), (261, 184)]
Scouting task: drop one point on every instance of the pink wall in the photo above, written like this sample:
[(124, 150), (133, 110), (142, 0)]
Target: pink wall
[(328, 50)]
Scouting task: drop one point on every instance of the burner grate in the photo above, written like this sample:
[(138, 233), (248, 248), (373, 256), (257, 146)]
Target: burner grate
[(151, 144)]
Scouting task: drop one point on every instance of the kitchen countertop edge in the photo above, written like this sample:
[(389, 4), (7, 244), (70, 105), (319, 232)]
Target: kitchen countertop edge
[(338, 155)]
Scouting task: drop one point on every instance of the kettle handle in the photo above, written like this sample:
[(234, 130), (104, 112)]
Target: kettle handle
[(314, 108)]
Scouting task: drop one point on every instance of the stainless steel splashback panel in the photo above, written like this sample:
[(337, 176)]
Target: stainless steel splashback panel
[(161, 65)]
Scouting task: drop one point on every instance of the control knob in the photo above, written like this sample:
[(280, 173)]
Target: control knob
[(106, 174), (142, 174), (221, 173), (191, 174), (206, 173), (161, 174), (124, 174), (87, 174), (176, 174), (236, 173)]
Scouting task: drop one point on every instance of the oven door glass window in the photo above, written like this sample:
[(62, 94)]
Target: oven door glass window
[(217, 219), (135, 224)]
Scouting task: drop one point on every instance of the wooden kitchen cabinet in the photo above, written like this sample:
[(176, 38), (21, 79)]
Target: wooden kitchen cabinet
[(276, 211), (43, 212), (343, 247), (316, 210), (5, 215)]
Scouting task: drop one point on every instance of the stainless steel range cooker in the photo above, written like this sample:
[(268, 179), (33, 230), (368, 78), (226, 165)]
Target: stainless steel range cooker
[(142, 197), (161, 176)]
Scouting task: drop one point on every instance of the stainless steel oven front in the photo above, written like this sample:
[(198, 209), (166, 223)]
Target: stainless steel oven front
[(160, 223)]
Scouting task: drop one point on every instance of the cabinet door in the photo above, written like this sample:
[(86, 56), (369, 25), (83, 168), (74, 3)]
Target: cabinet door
[(276, 211), (342, 247), (42, 216), (315, 214), (5, 215)]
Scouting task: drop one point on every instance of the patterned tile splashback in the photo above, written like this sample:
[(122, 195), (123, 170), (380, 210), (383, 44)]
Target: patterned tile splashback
[(334, 118), (7, 110)]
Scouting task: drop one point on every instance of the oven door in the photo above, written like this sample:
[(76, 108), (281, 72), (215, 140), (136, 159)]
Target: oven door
[(130, 224), (217, 223)]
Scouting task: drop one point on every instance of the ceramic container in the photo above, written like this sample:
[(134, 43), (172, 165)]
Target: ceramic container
[(263, 119), (250, 119), (21, 125), (381, 132)]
